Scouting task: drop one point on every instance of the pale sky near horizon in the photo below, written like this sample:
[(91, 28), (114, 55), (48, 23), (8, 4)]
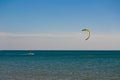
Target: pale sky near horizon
[(57, 24)]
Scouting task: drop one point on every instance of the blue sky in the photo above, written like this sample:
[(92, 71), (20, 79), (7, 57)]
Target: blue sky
[(59, 16), (41, 16)]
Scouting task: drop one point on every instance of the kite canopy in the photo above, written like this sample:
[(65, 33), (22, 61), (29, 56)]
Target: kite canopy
[(88, 31)]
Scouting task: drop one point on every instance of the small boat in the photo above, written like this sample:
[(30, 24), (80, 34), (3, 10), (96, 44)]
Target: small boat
[(30, 53)]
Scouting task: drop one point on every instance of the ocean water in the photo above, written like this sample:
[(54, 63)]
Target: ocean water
[(59, 65)]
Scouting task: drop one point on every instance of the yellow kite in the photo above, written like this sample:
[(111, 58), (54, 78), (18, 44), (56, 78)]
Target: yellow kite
[(88, 31)]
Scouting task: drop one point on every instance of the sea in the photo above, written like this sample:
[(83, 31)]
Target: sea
[(59, 65)]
